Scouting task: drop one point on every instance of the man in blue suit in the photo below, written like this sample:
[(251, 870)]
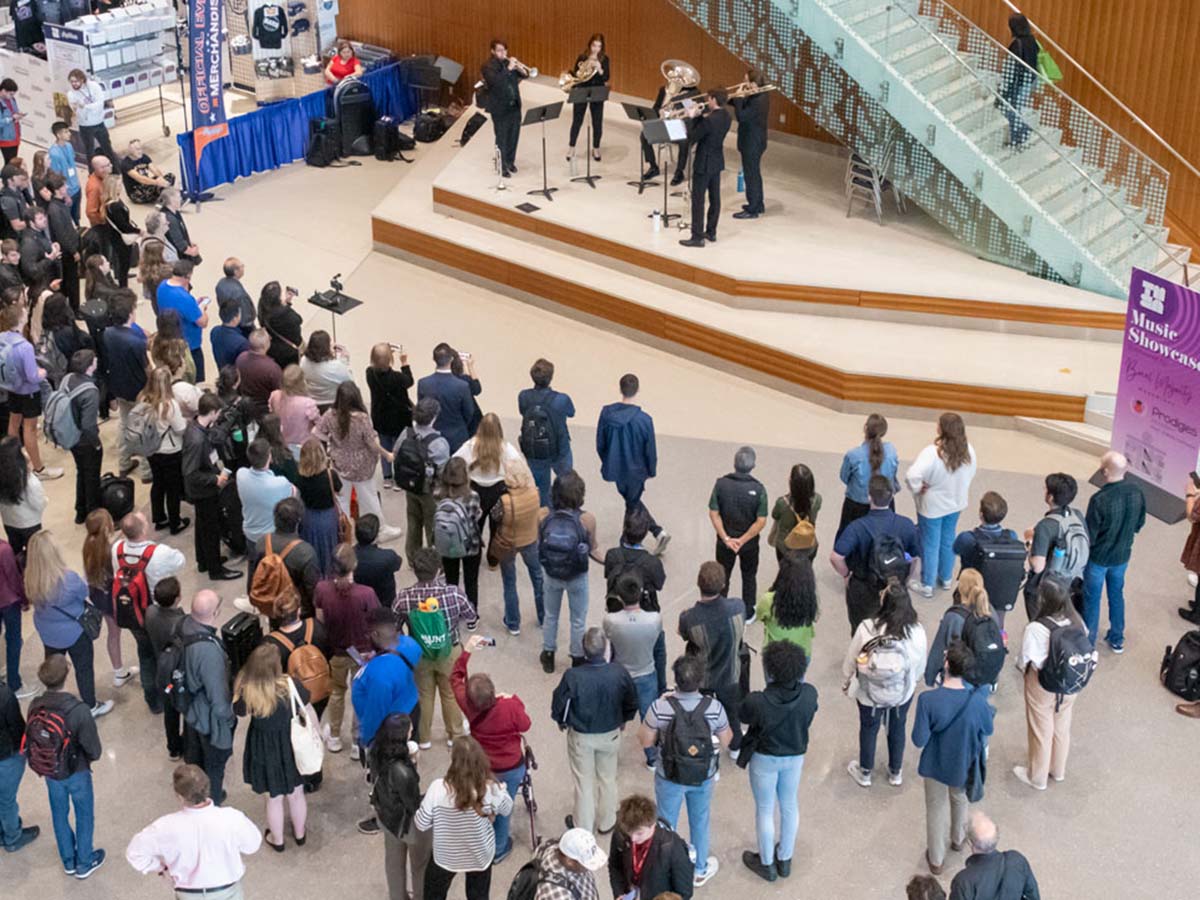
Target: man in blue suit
[(453, 395)]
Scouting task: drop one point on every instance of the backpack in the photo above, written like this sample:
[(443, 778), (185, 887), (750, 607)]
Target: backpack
[(1001, 561), (886, 559), (982, 634), (48, 355), (538, 439), (883, 671), (48, 743), (451, 528), (11, 371), (58, 419), (271, 579), (143, 433), (172, 677), (130, 589), (1073, 540), (686, 744), (116, 495), (525, 884), (1180, 672), (307, 664), (1071, 661), (412, 468), (563, 544), (430, 629)]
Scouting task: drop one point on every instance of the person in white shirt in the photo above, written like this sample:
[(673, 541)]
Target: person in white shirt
[(198, 849), (325, 365), (939, 479), (86, 99), (883, 664), (164, 560), (488, 455)]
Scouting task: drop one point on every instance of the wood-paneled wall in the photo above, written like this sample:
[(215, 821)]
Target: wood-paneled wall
[(1142, 50)]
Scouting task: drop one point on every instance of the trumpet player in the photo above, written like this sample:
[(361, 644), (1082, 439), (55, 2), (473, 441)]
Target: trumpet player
[(502, 74), (596, 54), (752, 117), (710, 125)]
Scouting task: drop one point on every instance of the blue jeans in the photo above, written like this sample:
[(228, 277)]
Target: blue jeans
[(503, 824), (388, 442), (647, 692), (1095, 578), (76, 205), (508, 575), (937, 543), (776, 779), (1018, 97), (669, 796), (74, 847), (11, 772), (577, 603), (10, 621), (541, 469)]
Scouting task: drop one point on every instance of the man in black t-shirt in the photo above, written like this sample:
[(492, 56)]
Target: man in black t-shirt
[(738, 511), (713, 630), (143, 180), (1044, 536)]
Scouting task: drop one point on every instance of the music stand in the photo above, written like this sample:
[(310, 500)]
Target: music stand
[(580, 95), (336, 302), (541, 115), (640, 114), (661, 132)]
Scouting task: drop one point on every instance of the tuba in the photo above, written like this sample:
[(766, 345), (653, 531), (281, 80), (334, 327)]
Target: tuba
[(585, 71), (679, 76)]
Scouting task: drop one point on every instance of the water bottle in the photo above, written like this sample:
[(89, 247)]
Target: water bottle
[(238, 437), (1057, 559), (741, 182), (656, 221)]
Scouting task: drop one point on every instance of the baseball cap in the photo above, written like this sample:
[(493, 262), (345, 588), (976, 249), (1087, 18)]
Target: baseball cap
[(579, 845)]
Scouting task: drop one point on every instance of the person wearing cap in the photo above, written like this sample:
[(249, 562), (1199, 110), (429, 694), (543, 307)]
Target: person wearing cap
[(566, 869), (738, 511)]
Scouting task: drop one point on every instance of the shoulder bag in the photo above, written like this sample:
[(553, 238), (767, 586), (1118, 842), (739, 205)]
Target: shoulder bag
[(345, 529), (308, 747)]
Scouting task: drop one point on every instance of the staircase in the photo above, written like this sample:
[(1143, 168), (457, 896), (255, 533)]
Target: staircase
[(918, 90)]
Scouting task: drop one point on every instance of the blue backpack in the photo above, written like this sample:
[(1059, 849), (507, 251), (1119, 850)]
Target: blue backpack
[(563, 544)]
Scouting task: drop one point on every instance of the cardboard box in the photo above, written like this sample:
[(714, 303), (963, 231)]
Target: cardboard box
[(156, 76), (128, 53)]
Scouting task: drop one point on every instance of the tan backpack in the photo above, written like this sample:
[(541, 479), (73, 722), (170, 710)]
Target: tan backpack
[(272, 581), (307, 664)]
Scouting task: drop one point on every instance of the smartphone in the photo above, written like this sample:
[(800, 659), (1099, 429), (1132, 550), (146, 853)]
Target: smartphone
[(1196, 478), (204, 301), (353, 653), (487, 642), (291, 290), (464, 356)]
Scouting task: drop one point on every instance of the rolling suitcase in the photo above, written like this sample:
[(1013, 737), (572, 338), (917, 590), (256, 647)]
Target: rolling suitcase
[(240, 635)]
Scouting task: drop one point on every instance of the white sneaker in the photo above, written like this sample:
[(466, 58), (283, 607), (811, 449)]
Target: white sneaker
[(425, 745), (122, 675), (354, 751), (243, 604), (1193, 578), (925, 590), (733, 754), (49, 473), (862, 778), (333, 744), (30, 690), (1022, 774), (389, 533), (102, 709), (660, 545), (712, 864), (895, 779)]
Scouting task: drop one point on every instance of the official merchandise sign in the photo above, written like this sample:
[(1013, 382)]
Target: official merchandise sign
[(1157, 419), (205, 27)]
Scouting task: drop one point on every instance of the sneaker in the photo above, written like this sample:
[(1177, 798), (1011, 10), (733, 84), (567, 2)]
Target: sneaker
[(710, 869), (515, 632), (895, 779), (424, 745), (1115, 646), (388, 484), (97, 862), (660, 546), (944, 585), (355, 753), (27, 836), (1193, 578), (102, 709), (1022, 774), (502, 855), (471, 626), (68, 870), (653, 766), (862, 778), (122, 675), (369, 826), (733, 754), (1059, 779), (50, 473), (547, 660), (29, 690), (752, 618), (333, 744), (925, 590), (243, 604), (389, 533), (754, 863), (174, 757)]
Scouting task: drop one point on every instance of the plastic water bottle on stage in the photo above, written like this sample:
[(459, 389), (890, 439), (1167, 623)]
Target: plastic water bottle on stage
[(656, 221), (741, 182)]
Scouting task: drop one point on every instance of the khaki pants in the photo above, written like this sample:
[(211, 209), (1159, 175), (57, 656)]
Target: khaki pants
[(233, 892), (402, 855), (434, 675), (593, 759), (419, 517), (945, 818), (341, 672), (1049, 731)]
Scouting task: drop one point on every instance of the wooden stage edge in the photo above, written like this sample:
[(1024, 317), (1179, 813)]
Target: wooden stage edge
[(845, 386), (733, 287)]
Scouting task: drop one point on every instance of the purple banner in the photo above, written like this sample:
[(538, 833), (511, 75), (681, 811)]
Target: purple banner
[(1157, 421), (208, 102)]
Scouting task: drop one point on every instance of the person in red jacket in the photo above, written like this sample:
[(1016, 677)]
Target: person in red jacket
[(497, 722)]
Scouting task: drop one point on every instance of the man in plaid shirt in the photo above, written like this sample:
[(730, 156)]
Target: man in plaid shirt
[(432, 673)]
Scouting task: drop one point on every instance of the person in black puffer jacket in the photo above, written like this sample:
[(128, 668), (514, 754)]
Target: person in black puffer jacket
[(664, 866), (396, 796)]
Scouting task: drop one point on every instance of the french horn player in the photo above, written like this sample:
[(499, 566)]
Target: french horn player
[(591, 70)]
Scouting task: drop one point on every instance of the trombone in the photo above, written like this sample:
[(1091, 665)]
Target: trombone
[(677, 109)]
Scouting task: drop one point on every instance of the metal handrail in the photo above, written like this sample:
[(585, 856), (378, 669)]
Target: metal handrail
[(1111, 96)]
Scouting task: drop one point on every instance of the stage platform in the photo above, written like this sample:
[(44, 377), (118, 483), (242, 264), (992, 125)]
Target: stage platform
[(837, 309)]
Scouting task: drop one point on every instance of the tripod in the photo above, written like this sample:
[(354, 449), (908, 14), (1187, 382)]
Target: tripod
[(542, 115), (586, 96)]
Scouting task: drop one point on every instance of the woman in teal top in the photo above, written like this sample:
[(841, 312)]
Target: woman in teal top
[(789, 610), (801, 501)]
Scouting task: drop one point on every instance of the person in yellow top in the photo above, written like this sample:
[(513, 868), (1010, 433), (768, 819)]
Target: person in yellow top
[(789, 610)]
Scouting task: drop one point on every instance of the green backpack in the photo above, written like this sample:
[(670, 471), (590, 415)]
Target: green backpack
[(431, 631)]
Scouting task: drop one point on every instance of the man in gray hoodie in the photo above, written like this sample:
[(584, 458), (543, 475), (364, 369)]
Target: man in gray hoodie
[(209, 721)]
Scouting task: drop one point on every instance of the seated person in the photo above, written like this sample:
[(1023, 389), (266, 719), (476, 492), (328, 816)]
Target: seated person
[(144, 180), (343, 63)]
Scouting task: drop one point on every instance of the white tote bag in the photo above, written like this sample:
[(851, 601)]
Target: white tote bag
[(307, 745)]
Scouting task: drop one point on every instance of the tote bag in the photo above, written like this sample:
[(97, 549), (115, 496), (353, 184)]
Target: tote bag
[(307, 744)]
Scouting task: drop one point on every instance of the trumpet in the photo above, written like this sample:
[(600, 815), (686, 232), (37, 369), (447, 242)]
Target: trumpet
[(527, 71), (585, 71), (677, 109)]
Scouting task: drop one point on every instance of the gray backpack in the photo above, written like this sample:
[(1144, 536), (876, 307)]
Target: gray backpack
[(58, 419), (1073, 539), (143, 432), (11, 374)]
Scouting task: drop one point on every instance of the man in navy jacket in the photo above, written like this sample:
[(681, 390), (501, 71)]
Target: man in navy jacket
[(125, 350), (453, 395)]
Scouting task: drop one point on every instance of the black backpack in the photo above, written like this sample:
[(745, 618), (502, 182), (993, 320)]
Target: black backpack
[(886, 559), (687, 746), (1071, 661), (538, 437), (1000, 559), (524, 886), (982, 634), (48, 743), (412, 468), (172, 679), (1180, 673), (116, 495), (563, 544)]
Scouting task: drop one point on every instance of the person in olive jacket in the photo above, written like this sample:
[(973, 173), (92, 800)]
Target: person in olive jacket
[(646, 858)]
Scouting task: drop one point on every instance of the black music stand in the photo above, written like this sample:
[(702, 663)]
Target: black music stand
[(336, 302), (580, 95), (660, 132), (541, 115), (640, 114)]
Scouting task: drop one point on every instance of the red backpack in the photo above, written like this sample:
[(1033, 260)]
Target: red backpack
[(48, 743), (131, 590)]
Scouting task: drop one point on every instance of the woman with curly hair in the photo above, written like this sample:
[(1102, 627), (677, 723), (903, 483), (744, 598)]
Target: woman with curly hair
[(789, 609)]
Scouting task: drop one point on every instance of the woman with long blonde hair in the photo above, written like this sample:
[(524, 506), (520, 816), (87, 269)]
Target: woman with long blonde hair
[(514, 524), (166, 465), (264, 693), (970, 600), (123, 232), (296, 408), (487, 456), (318, 487), (98, 573), (59, 596)]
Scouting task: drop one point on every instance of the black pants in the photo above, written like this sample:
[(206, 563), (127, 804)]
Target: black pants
[(166, 488), (231, 519), (173, 726), (199, 751), (507, 126), (489, 496), (18, 538), (862, 601), (752, 173), (122, 255), (198, 359), (748, 557), (10, 153), (438, 880), (851, 510), (631, 492), (470, 572), (147, 670), (82, 657), (208, 534), (93, 137), (706, 185), (70, 279), (730, 696), (577, 114), (87, 479)]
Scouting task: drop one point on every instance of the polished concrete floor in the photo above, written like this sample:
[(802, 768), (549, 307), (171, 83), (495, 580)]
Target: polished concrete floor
[(1121, 825)]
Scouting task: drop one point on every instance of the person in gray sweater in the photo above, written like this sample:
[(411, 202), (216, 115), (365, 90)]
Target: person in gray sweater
[(209, 721), (80, 385)]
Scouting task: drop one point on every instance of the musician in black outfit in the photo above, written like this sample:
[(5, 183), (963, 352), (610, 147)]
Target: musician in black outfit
[(710, 124), (596, 51), (752, 115), (503, 78), (652, 170)]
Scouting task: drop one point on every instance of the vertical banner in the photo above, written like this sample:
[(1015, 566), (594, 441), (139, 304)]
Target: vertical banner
[(208, 102), (1157, 419)]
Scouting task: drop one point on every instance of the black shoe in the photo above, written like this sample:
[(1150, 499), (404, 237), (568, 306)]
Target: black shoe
[(79, 520), (692, 242), (223, 574), (1190, 613), (754, 863), (548, 661), (578, 661), (651, 174), (506, 174), (27, 836), (161, 526), (183, 524), (711, 237), (369, 826), (745, 214), (677, 180), (278, 848), (782, 866), (513, 169), (300, 841)]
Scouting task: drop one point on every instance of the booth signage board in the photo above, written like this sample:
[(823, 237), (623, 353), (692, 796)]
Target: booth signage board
[(41, 97), (208, 101), (1157, 418), (66, 49)]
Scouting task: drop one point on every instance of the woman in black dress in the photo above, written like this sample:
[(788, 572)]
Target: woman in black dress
[(318, 487), (261, 691), (282, 323), (123, 232), (595, 52)]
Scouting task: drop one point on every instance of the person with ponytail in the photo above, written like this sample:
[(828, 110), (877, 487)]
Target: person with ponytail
[(874, 456), (971, 598)]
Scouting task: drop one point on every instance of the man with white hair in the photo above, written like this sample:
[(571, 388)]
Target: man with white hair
[(1115, 514), (738, 510), (992, 874), (170, 205)]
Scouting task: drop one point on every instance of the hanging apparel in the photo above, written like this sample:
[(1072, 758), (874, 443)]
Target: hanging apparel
[(270, 26)]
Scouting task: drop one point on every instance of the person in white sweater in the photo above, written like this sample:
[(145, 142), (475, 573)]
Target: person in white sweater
[(883, 664), (940, 478)]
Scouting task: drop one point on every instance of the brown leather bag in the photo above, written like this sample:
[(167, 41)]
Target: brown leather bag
[(345, 526), (307, 664), (272, 581)]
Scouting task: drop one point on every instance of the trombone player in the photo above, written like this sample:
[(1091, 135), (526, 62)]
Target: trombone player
[(752, 115), (710, 126), (502, 74)]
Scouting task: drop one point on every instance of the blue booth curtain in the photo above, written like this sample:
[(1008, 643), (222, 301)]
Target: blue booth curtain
[(275, 135)]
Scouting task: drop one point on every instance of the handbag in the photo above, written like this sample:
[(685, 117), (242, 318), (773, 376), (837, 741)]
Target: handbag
[(345, 531), (308, 747), (90, 620)]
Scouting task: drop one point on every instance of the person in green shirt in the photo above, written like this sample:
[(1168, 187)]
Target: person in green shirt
[(789, 610), (800, 502)]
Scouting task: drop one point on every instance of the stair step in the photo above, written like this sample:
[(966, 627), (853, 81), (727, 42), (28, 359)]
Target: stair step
[(989, 135), (1082, 436), (917, 56), (1120, 260), (896, 30), (943, 72)]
